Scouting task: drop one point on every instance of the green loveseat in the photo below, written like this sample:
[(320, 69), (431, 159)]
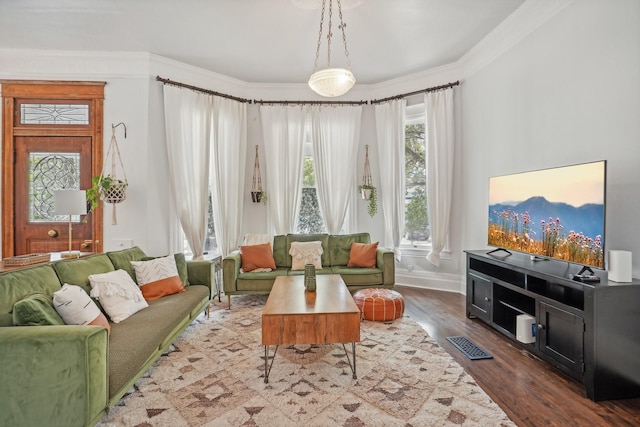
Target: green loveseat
[(335, 257), (71, 376)]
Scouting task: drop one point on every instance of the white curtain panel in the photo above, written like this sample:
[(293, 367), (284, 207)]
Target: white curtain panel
[(188, 126), (440, 145), (335, 138), (283, 136), (390, 142), (228, 163)]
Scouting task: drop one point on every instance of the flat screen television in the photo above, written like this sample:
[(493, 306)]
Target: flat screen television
[(554, 213)]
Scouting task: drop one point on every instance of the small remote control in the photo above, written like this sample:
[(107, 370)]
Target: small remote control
[(586, 279)]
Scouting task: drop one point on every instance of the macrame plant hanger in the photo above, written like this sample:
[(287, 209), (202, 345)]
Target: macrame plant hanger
[(367, 182), (113, 190), (256, 183)]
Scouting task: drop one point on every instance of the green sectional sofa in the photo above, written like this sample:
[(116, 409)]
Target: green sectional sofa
[(335, 257), (71, 375)]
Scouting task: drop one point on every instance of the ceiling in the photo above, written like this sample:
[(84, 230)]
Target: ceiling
[(260, 41)]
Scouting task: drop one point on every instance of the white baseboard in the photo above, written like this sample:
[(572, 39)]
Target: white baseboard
[(429, 280)]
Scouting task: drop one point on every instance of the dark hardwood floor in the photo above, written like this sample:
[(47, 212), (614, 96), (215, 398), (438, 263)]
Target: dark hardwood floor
[(529, 390)]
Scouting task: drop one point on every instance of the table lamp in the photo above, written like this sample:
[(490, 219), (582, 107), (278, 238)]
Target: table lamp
[(70, 202)]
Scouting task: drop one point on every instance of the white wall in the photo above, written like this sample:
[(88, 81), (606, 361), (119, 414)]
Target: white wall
[(567, 93)]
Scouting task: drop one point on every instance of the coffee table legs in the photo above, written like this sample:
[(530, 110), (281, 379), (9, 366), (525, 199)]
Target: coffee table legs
[(267, 365), (353, 351)]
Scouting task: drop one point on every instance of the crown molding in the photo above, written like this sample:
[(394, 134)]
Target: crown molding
[(524, 21), (63, 65)]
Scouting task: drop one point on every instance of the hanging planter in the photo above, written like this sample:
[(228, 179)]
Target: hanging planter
[(258, 195), (367, 190), (110, 188)]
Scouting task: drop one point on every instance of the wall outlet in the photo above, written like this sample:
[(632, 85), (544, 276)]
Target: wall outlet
[(122, 243)]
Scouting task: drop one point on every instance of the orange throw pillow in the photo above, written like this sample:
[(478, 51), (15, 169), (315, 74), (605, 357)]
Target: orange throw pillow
[(159, 288), (363, 255), (257, 256)]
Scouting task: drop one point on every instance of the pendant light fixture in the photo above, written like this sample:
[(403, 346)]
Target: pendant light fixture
[(331, 82)]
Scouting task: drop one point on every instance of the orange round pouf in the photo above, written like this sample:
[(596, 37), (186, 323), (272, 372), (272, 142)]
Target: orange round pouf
[(379, 304)]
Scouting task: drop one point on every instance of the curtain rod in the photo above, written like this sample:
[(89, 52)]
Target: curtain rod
[(403, 95), (255, 101), (199, 89)]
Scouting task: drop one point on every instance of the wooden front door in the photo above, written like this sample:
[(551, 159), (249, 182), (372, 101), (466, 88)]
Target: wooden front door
[(51, 140), (42, 166)]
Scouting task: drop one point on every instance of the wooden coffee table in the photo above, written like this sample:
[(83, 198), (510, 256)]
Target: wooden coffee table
[(293, 316)]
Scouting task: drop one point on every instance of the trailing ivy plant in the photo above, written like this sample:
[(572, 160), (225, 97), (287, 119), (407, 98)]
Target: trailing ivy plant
[(372, 207)]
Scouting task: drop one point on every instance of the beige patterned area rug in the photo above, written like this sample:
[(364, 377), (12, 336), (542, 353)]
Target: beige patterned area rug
[(213, 375)]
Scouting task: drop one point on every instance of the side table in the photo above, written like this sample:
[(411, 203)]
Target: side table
[(217, 274), (216, 260)]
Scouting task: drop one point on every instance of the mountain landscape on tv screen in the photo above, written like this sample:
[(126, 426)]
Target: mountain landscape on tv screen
[(587, 219), (546, 228)]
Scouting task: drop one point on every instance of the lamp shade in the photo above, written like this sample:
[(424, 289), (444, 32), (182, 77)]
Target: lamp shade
[(70, 202), (332, 82)]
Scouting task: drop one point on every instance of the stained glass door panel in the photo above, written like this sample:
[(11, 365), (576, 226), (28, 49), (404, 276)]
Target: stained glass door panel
[(44, 165)]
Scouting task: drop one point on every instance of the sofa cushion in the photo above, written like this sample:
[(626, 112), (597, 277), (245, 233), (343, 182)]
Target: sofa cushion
[(340, 247), (35, 310), (323, 238), (281, 251), (363, 255), (303, 253), (133, 342), (118, 294), (77, 271), (17, 284), (158, 277), (359, 276), (121, 260), (257, 257)]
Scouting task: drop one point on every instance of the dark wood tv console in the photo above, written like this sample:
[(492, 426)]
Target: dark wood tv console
[(590, 331)]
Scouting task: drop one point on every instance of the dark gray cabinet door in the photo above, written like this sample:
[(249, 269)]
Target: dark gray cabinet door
[(479, 297), (561, 336)]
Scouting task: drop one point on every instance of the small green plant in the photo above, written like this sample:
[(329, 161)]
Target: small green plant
[(259, 196), (100, 184), (370, 193)]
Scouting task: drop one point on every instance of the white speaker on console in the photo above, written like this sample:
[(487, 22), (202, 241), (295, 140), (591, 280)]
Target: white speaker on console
[(620, 266)]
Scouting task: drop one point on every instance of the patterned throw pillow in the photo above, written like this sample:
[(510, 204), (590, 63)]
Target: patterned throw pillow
[(118, 294), (76, 308), (158, 277), (306, 253)]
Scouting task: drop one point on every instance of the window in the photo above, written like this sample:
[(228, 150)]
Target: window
[(309, 219), (210, 242), (416, 228)]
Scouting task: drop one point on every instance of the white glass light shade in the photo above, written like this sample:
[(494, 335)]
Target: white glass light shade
[(70, 202), (332, 82)]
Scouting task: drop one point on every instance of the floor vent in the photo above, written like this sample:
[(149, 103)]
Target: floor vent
[(469, 348)]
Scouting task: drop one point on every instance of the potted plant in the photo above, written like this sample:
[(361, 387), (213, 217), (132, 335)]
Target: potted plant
[(259, 196), (367, 190), (370, 193), (107, 188)]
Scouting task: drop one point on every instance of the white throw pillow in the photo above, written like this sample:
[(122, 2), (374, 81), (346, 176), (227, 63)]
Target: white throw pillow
[(306, 253), (74, 305), (118, 294)]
